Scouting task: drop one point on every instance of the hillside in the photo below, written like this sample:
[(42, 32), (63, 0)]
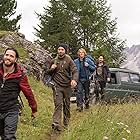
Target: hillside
[(132, 58), (100, 122), (32, 56)]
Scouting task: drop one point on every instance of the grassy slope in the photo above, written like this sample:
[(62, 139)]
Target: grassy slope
[(36, 129), (115, 122), (100, 122)]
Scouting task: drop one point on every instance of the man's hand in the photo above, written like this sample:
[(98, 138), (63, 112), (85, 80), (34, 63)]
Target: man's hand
[(53, 66), (73, 83), (86, 64), (108, 79), (34, 115)]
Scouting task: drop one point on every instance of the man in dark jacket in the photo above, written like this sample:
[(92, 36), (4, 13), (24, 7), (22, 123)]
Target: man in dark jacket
[(85, 67), (64, 77), (12, 81), (102, 76)]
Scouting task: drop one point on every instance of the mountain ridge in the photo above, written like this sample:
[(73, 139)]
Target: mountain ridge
[(132, 61)]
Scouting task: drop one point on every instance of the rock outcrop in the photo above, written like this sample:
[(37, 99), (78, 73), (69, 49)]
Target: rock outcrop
[(35, 58)]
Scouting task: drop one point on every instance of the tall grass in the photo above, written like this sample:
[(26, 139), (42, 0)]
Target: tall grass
[(100, 122), (111, 122), (36, 129)]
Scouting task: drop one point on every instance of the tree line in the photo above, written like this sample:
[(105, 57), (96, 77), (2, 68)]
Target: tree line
[(79, 23)]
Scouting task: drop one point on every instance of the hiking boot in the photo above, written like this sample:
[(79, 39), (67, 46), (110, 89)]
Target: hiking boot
[(80, 109), (86, 106), (56, 126), (65, 126)]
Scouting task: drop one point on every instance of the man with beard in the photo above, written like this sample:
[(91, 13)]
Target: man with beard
[(64, 77), (12, 81)]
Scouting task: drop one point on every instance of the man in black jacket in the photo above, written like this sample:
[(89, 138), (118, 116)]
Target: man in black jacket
[(12, 81), (102, 76)]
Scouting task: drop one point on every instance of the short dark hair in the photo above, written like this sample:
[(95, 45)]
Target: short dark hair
[(13, 49)]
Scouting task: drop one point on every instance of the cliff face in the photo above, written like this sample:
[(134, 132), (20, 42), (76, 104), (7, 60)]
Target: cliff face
[(32, 56), (132, 58)]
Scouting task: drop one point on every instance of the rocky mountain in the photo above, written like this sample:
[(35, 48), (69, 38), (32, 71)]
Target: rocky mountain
[(32, 56), (132, 61)]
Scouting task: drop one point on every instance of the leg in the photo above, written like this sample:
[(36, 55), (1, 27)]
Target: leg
[(10, 125), (80, 94), (86, 88), (58, 101), (102, 86), (66, 106), (1, 126)]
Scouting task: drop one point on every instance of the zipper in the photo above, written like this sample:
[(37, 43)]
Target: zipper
[(3, 80)]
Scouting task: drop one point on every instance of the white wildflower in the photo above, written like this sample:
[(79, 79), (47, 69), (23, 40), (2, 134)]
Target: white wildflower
[(123, 138), (126, 125), (128, 131), (105, 138), (121, 123)]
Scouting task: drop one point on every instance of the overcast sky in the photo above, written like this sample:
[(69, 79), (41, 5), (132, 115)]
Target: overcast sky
[(126, 11)]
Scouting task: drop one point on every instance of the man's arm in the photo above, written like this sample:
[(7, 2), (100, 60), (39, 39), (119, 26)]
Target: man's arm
[(26, 89), (74, 71), (91, 65)]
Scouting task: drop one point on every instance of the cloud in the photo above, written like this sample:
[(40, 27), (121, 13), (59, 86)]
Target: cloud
[(29, 19), (126, 12)]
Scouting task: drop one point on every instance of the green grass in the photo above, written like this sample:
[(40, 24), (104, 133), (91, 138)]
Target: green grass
[(116, 122), (23, 54), (36, 129), (3, 33)]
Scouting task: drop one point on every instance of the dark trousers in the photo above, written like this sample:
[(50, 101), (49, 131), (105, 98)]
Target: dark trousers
[(83, 93), (8, 125), (99, 88), (61, 96)]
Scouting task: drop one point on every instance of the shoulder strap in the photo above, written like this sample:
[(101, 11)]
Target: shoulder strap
[(21, 101)]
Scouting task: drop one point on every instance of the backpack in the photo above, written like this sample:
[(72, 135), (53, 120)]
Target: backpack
[(90, 57)]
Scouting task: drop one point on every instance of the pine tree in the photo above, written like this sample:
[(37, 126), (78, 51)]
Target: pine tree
[(56, 26), (82, 23), (7, 11)]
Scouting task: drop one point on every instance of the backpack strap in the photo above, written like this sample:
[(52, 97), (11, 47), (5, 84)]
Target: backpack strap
[(21, 104)]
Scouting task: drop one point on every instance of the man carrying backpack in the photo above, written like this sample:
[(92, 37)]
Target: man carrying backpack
[(12, 81), (85, 67), (64, 77)]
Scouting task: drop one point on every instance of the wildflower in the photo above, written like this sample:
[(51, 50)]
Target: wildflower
[(121, 123), (105, 138), (128, 131), (123, 138), (126, 125), (108, 120)]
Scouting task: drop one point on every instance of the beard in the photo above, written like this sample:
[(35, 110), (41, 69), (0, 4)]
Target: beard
[(8, 64), (61, 54)]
